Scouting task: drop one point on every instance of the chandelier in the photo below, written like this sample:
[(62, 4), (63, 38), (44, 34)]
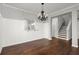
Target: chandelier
[(42, 16)]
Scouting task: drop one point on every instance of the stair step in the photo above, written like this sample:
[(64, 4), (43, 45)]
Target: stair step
[(62, 33), (61, 38), (62, 30)]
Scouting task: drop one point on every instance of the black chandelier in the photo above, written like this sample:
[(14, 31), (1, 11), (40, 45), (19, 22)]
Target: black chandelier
[(42, 16)]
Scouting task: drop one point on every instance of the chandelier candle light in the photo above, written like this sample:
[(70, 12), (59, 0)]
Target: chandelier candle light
[(43, 17)]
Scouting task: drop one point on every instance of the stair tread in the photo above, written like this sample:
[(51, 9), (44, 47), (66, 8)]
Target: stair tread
[(62, 38), (62, 32), (61, 35)]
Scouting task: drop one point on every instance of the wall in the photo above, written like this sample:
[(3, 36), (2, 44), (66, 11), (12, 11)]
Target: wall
[(13, 27), (60, 22), (78, 25), (55, 27), (0, 30), (47, 30), (67, 17), (0, 33), (78, 28), (64, 18)]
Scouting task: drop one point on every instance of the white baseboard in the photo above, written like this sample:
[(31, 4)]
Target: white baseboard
[(50, 38), (74, 45), (0, 50), (11, 44)]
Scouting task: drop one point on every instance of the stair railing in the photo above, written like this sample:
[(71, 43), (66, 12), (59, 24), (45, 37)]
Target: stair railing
[(69, 30)]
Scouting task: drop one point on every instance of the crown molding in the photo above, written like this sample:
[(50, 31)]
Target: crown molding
[(23, 10), (65, 10)]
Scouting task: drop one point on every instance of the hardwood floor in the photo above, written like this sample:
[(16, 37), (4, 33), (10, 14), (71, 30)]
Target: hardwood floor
[(42, 47)]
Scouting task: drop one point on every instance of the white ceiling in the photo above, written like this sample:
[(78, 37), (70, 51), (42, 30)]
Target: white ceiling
[(36, 7)]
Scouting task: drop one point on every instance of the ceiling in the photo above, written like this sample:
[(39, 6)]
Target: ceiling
[(36, 7)]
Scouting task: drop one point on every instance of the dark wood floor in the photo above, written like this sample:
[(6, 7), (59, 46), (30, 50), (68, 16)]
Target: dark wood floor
[(42, 47)]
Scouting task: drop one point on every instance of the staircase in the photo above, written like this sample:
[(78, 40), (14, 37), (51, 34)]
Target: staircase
[(62, 33)]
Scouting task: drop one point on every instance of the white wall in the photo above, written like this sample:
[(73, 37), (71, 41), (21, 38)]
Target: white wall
[(47, 29), (0, 30), (67, 18), (0, 33), (78, 29), (60, 22), (78, 24), (55, 27)]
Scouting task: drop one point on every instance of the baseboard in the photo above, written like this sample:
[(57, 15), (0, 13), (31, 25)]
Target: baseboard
[(78, 43), (75, 46), (49, 38), (0, 50)]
